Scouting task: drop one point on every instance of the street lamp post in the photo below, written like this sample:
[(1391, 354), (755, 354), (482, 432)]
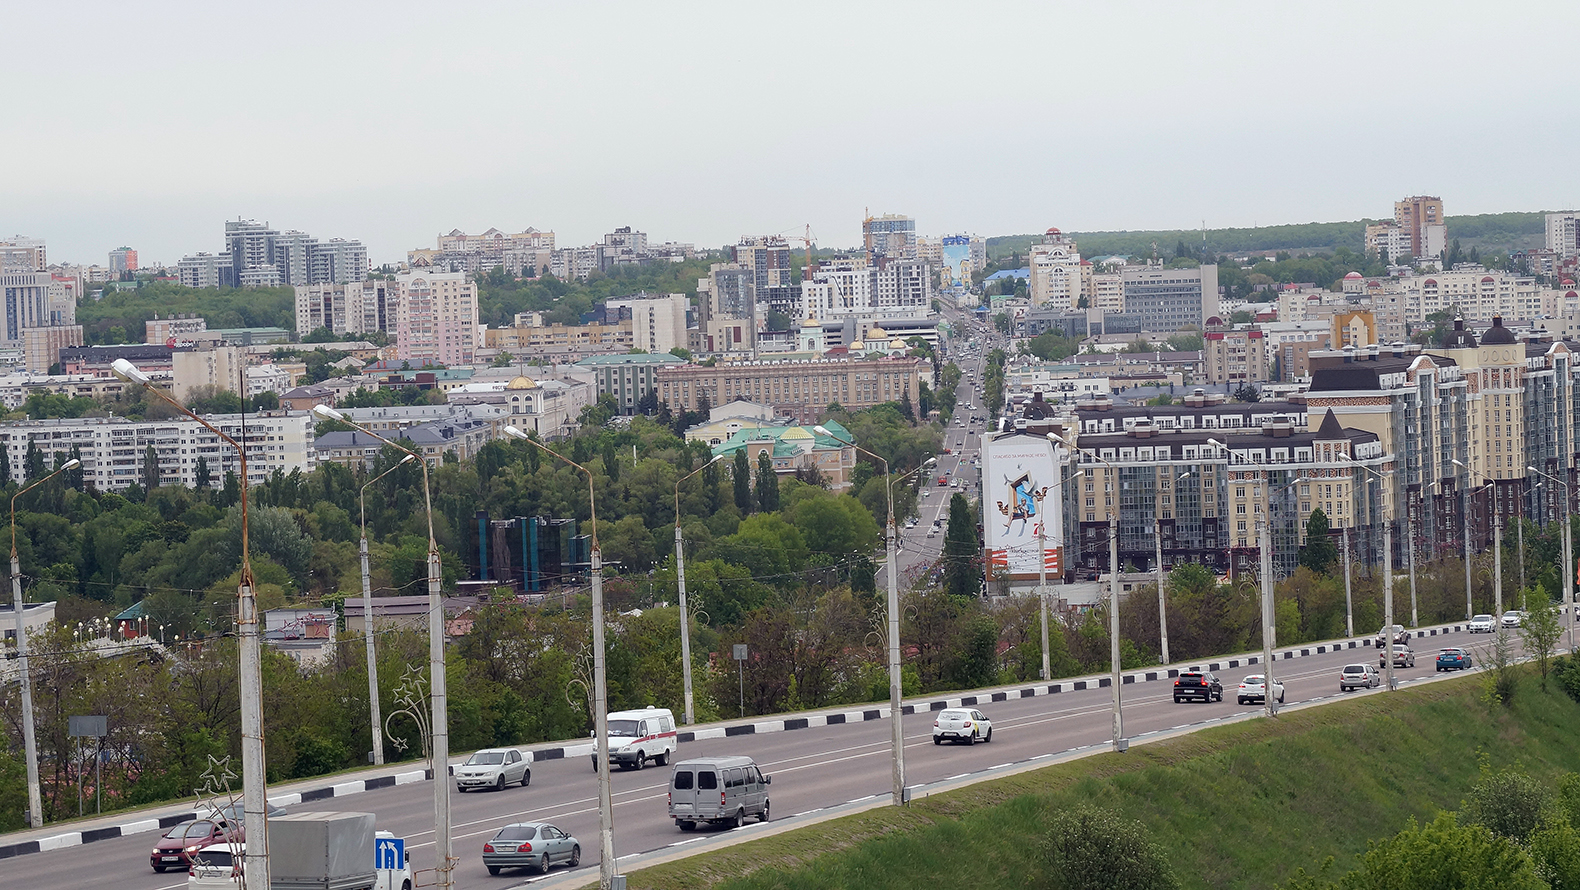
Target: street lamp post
[(1497, 545), (367, 616), (254, 791), (1120, 743), (35, 800), (1042, 575), (1268, 610), (680, 583), (1387, 522), (437, 685), (1349, 601), (600, 692), (1163, 610), (897, 729), (1569, 554)]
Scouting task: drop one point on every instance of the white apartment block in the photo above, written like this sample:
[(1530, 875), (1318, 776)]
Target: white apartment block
[(113, 448), (219, 368), (267, 377), (1388, 239), (1478, 292), (1563, 233), (20, 253), (849, 287), (658, 321), (1055, 272), (206, 270), (356, 307), (436, 318)]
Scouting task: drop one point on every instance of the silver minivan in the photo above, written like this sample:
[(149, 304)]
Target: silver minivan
[(719, 790)]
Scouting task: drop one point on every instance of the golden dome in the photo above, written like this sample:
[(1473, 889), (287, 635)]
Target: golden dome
[(521, 383)]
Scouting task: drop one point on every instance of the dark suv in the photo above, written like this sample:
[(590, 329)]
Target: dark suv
[(1197, 684)]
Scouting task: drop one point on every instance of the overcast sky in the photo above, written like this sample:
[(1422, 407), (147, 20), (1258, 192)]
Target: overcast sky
[(149, 124)]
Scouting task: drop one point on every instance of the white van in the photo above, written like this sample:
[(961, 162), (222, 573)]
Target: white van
[(636, 737), (719, 790)]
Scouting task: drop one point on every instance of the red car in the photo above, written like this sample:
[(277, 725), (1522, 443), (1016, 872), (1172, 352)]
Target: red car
[(175, 849)]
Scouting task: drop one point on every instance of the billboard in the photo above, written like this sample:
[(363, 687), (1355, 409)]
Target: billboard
[(1020, 495), (956, 271)]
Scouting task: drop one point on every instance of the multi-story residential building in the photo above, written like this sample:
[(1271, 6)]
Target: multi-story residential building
[(768, 258), (522, 253), (629, 377), (436, 318), (658, 321), (261, 256), (1294, 354), (727, 310), (209, 367), (1055, 272), (846, 287), (1103, 287), (1235, 356), (113, 449), (20, 253), (1471, 289), (1388, 240), (1165, 300), (560, 342), (1563, 233), (356, 307), (889, 236), (41, 346), (173, 328), (27, 302), (122, 260), (1421, 217), (337, 260), (206, 270), (798, 388)]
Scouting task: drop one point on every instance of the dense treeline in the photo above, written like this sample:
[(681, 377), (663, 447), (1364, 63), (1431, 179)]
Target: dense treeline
[(119, 316), (500, 295)]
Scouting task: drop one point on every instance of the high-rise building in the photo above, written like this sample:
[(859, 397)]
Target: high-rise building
[(891, 235), (658, 321), (356, 307), (26, 302), (1055, 272), (122, 260), (20, 253), (1421, 217), (436, 318), (1563, 233), (261, 256), (337, 261), (525, 253), (1165, 300), (769, 259), (1388, 239), (207, 270), (727, 309)]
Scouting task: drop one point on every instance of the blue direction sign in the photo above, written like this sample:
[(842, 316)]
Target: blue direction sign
[(389, 852)]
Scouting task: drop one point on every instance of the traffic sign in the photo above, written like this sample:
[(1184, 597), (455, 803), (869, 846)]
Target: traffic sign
[(389, 852)]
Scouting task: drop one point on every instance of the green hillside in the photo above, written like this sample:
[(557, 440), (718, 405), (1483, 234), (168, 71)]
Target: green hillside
[(1237, 806)]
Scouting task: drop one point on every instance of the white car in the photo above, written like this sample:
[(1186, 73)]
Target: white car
[(1481, 624), (962, 725), (493, 768), (1513, 618), (1254, 688), (217, 867)]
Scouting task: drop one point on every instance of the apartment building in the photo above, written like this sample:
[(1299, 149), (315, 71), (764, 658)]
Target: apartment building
[(658, 321), (206, 270), (355, 307), (798, 388), (1235, 356), (525, 253), (262, 255), (1563, 234), (769, 259), (1420, 217), (727, 310), (891, 236), (1471, 289), (1055, 266), (435, 318), (122, 260), (560, 342), (20, 253), (845, 286), (113, 449), (630, 377)]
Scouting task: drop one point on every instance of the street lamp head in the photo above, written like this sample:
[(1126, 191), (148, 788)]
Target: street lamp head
[(129, 372), (515, 432), (1533, 469), (1184, 474), (821, 430), (715, 459), (328, 413), (71, 464), (1456, 463), (406, 460)]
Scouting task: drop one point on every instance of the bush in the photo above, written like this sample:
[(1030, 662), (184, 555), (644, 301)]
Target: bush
[(1555, 847), (1445, 854), (1092, 849), (1509, 803), (1566, 671)]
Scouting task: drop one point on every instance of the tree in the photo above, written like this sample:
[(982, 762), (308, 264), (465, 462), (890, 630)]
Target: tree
[(202, 475), (150, 469), (1247, 393), (962, 575), (1541, 632), (1318, 554), (741, 474), (767, 483), (1509, 803), (1091, 849), (5, 467), (268, 400)]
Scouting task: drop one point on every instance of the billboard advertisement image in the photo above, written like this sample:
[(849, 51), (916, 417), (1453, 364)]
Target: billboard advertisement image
[(956, 271), (1020, 497)]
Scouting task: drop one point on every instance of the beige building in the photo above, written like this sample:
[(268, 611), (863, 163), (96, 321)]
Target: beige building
[(658, 321), (1232, 356), (798, 388), (1055, 272), (219, 366), (561, 342), (41, 346), (1357, 328), (1421, 218), (436, 318)]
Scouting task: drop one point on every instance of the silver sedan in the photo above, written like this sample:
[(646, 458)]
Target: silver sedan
[(535, 845)]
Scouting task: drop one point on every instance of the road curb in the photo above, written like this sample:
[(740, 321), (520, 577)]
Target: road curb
[(833, 717)]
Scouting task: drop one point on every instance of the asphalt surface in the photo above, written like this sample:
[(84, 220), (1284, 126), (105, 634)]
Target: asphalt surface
[(812, 769)]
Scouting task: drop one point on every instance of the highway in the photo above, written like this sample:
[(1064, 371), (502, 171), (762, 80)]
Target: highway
[(811, 768)]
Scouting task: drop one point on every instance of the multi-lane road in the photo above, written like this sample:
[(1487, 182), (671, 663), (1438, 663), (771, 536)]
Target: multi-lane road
[(812, 769)]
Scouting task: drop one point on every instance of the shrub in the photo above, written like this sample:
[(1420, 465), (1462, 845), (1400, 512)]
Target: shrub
[(1510, 804), (1092, 849)]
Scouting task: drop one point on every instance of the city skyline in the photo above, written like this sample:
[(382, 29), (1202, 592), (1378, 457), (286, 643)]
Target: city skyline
[(1150, 117)]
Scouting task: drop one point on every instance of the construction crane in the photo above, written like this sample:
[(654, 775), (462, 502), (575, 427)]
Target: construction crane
[(807, 239)]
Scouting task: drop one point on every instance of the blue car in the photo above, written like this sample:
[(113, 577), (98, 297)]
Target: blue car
[(1453, 659)]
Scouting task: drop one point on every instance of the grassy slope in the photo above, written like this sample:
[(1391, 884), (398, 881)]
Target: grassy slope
[(1239, 806)]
